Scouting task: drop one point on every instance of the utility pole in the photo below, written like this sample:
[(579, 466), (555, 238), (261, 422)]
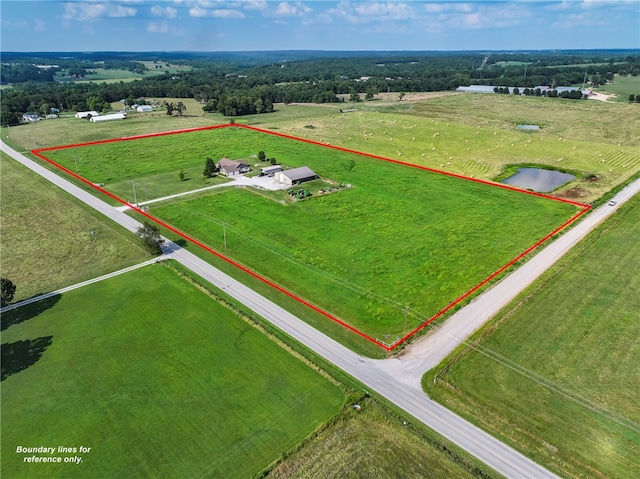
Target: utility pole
[(135, 199), (405, 310), (75, 158), (224, 234)]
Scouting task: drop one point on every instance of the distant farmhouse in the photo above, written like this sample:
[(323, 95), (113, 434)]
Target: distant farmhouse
[(31, 117), (232, 168), (543, 89), (87, 114), (114, 116), (296, 176)]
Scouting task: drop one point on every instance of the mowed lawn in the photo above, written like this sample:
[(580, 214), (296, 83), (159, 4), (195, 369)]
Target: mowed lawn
[(158, 379), (400, 237), (556, 374), (50, 241)]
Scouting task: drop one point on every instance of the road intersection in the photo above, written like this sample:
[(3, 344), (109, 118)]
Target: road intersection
[(396, 379)]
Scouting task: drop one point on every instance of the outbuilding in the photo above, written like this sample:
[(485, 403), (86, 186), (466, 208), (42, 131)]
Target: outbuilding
[(270, 170), (30, 116), (86, 114), (144, 108), (296, 175), (114, 116)]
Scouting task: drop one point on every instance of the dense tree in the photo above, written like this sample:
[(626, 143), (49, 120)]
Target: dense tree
[(7, 290), (151, 238), (210, 168), (263, 157)]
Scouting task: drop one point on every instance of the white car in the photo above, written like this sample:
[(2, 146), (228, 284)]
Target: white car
[(612, 203)]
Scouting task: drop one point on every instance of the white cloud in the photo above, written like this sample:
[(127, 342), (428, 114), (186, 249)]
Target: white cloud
[(227, 13), (163, 27), (83, 11), (168, 12), (388, 10), (120, 11), (158, 27), (367, 12), (197, 11), (40, 26), (254, 5), (286, 9)]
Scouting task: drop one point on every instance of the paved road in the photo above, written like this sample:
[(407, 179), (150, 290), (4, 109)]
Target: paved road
[(398, 380), (428, 352)]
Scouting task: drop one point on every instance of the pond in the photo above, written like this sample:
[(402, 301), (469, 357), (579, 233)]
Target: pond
[(528, 127), (539, 180)]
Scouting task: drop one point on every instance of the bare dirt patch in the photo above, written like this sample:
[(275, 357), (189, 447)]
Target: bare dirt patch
[(573, 193)]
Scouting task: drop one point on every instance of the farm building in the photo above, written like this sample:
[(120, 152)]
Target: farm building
[(31, 117), (270, 170), (114, 116), (542, 88), (86, 114), (144, 108), (296, 175), (231, 167)]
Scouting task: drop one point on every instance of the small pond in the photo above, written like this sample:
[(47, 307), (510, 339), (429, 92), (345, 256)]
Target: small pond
[(528, 127), (539, 180)]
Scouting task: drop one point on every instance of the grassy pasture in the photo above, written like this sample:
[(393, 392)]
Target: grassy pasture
[(400, 237), (158, 379), (103, 75), (348, 450), (555, 374), (622, 87), (475, 135), (46, 235)]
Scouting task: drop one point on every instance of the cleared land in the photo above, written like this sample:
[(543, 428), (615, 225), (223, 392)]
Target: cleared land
[(400, 237), (555, 374), (50, 241), (476, 134), (124, 364), (622, 87)]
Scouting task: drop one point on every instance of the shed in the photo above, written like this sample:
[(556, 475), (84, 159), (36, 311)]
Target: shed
[(114, 116), (270, 170), (296, 175), (85, 114), (144, 108)]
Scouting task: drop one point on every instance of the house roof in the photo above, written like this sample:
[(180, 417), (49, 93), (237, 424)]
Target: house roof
[(301, 173), (230, 165)]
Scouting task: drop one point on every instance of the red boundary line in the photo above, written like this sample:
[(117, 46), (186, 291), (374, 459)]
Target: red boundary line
[(584, 207)]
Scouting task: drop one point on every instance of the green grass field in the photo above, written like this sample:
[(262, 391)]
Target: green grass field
[(46, 235), (476, 134), (622, 87), (400, 237), (157, 378), (372, 443), (555, 374)]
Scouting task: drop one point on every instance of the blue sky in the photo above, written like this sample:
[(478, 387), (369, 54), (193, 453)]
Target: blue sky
[(211, 25)]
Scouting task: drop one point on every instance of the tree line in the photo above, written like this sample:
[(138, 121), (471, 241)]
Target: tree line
[(237, 86)]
